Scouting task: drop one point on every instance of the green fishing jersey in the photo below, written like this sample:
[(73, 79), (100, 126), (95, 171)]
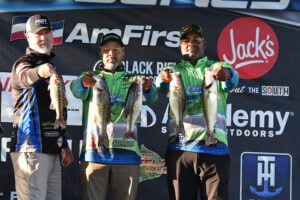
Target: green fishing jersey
[(195, 128), (120, 151)]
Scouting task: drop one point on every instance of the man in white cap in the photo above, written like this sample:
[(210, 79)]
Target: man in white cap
[(35, 143)]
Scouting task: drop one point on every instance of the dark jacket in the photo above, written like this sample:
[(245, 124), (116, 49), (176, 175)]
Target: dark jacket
[(33, 120)]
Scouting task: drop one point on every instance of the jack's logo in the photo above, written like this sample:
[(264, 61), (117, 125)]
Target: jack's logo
[(266, 175), (250, 45)]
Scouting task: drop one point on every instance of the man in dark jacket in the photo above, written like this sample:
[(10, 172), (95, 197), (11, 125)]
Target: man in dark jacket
[(35, 143)]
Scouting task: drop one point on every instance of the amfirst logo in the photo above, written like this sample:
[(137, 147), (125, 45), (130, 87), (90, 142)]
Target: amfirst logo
[(250, 45)]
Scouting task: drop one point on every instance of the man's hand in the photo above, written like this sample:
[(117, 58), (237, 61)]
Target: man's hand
[(147, 84), (166, 75), (45, 70), (88, 80), (67, 157), (222, 74)]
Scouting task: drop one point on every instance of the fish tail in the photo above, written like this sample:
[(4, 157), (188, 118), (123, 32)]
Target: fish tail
[(129, 135), (60, 123), (210, 139), (103, 140), (179, 129)]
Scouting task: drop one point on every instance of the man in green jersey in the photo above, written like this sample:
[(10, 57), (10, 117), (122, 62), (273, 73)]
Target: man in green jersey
[(119, 160), (192, 165)]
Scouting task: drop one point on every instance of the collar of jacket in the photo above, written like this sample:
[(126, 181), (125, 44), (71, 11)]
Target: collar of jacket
[(31, 51), (120, 68)]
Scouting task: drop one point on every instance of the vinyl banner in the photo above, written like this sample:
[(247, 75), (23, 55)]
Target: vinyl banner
[(40, 5), (262, 112)]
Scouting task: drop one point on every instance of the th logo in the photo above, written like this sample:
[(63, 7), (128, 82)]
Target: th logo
[(265, 177)]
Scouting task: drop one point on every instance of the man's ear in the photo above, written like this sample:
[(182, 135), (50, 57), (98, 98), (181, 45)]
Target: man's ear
[(26, 35), (204, 43), (123, 57)]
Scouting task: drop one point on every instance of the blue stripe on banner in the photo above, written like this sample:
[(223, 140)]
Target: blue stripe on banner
[(57, 25), (19, 19), (43, 5)]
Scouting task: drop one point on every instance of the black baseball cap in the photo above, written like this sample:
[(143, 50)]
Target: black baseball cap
[(190, 29), (37, 22), (111, 37)]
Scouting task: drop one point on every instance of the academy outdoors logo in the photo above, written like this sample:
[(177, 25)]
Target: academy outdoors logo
[(19, 24), (250, 45), (266, 176)]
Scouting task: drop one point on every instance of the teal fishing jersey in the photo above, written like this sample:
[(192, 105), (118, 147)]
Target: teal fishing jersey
[(195, 128), (120, 151)]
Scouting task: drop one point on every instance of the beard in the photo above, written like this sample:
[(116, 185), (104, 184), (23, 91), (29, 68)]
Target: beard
[(111, 66), (191, 56), (43, 47)]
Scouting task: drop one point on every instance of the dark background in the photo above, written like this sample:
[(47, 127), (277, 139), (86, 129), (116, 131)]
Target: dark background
[(73, 58)]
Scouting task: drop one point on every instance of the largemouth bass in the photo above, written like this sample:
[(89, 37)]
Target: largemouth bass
[(58, 99), (101, 102), (177, 99), (133, 106), (210, 105)]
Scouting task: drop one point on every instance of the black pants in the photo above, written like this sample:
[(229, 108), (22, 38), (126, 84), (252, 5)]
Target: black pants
[(191, 173)]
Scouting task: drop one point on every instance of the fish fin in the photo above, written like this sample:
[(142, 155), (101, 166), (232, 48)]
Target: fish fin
[(52, 106), (65, 102), (96, 121), (125, 114), (170, 111), (60, 123), (108, 118), (139, 118)]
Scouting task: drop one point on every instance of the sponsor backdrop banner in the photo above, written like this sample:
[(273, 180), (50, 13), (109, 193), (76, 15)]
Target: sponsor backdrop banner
[(23, 5), (262, 112)]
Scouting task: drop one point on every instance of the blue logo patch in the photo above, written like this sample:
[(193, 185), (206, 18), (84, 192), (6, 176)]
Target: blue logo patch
[(266, 176)]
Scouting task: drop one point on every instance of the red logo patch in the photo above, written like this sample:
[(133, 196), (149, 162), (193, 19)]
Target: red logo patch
[(250, 46)]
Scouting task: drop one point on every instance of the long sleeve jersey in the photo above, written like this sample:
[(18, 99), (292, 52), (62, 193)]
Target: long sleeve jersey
[(120, 151), (195, 128), (33, 120)]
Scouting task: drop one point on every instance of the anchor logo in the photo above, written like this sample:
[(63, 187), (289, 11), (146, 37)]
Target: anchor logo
[(265, 177), (265, 193)]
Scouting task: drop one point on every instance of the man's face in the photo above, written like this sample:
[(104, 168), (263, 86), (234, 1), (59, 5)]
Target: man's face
[(192, 46), (112, 55), (41, 41)]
